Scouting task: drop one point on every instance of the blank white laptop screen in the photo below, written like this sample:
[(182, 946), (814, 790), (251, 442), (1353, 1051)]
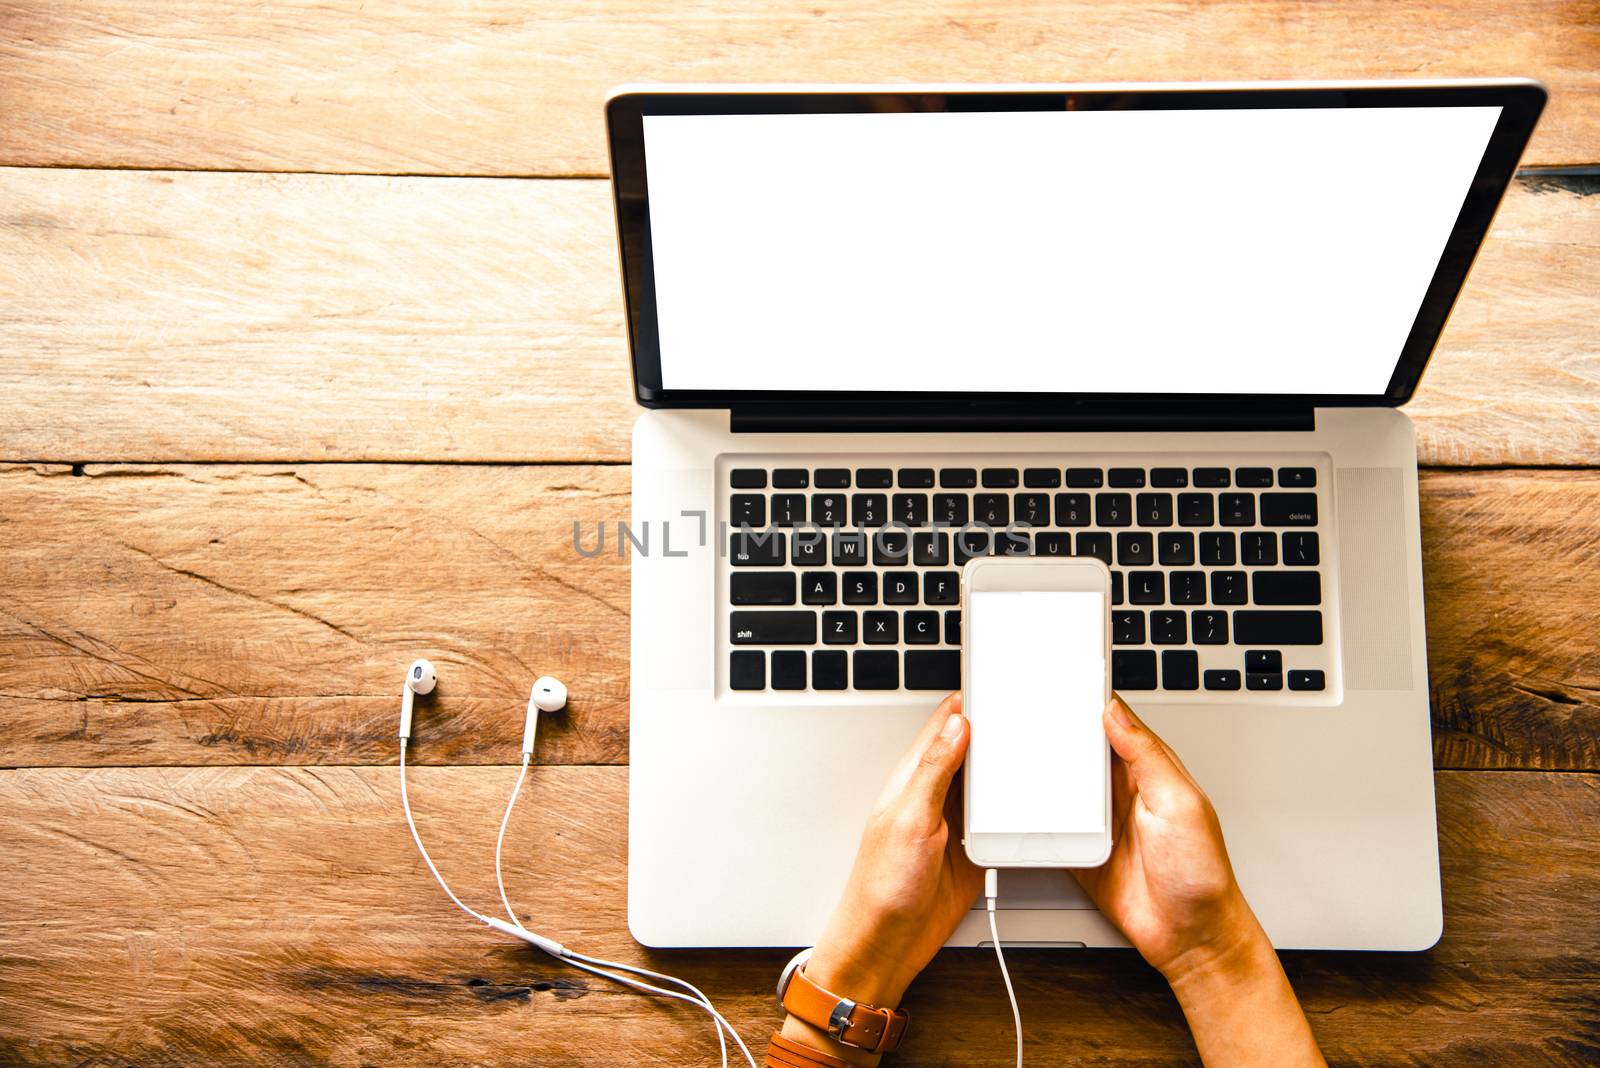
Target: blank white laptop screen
[(1271, 251)]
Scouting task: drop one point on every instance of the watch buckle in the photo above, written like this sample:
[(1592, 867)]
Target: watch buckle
[(839, 1019)]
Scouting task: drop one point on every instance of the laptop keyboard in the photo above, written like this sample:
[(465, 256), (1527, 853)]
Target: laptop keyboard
[(848, 577)]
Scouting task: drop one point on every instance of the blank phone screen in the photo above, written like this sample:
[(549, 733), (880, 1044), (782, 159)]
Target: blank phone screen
[(1036, 687)]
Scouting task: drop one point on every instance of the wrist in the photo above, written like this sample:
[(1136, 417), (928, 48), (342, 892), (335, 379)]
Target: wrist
[(1237, 954), (861, 975)]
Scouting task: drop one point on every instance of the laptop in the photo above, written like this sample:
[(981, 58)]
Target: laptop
[(877, 331)]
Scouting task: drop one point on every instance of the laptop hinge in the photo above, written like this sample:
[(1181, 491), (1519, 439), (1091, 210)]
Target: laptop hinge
[(960, 418)]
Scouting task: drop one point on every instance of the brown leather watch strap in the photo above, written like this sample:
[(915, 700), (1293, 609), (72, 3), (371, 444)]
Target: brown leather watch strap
[(863, 1026), (787, 1053)]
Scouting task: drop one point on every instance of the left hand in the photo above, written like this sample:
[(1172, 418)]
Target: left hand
[(912, 882)]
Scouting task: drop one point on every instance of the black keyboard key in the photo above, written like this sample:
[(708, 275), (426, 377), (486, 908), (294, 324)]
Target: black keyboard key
[(1096, 543), (1258, 548), (839, 628), (1042, 477), (1127, 627), (1072, 509), (1052, 543), (991, 509), (762, 587), (1306, 680), (910, 509), (1113, 509), (900, 587), (941, 587), (748, 478), (1196, 509), (915, 478), (1169, 477), (999, 478), (747, 669), (849, 549), (1222, 680), (819, 587), (1012, 543), (747, 510), (810, 548), (829, 509), (1116, 586), (1297, 478), (1263, 682), (1277, 628), (1133, 669), (788, 509), (1253, 476), (922, 628), (1146, 587), (930, 548), (831, 478), (1300, 548), (880, 628), (1212, 477), (1154, 509), (1210, 628), (1126, 478), (876, 669), (773, 628), (1135, 549), (1033, 509), (1218, 549), (1288, 509), (860, 587), (1263, 661), (933, 669), (1084, 478), (790, 478), (788, 669), (1286, 587), (1175, 549), (952, 627), (1237, 509), (891, 548), (829, 670), (869, 509), (1187, 587), (1169, 628), (973, 543), (1228, 587), (874, 478), (1180, 669), (957, 477), (950, 509), (757, 548)]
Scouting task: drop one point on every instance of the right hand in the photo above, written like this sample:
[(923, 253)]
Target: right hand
[(1167, 885)]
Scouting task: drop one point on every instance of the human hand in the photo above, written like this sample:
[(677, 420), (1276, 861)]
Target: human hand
[(912, 882), (1168, 885)]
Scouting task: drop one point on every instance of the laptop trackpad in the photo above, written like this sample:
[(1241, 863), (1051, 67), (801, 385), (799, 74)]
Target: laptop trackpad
[(1039, 888)]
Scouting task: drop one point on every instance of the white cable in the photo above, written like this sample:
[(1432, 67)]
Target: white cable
[(991, 890), (405, 803), (593, 964)]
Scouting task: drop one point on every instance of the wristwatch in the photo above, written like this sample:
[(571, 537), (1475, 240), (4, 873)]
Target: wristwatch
[(865, 1027)]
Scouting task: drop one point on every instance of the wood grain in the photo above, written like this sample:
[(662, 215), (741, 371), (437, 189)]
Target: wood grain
[(503, 87), (217, 614), (184, 317), (255, 915)]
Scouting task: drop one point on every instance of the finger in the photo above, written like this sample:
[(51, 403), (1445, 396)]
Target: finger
[(904, 769), (1153, 769), (937, 766)]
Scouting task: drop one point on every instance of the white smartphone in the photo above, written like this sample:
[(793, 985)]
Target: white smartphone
[(1035, 654)]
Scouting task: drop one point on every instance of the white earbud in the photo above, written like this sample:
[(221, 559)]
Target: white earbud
[(420, 678), (548, 695)]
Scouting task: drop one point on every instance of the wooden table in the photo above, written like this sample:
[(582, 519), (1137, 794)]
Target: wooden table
[(311, 355)]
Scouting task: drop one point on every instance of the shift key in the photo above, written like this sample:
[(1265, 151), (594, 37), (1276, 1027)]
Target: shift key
[(773, 628)]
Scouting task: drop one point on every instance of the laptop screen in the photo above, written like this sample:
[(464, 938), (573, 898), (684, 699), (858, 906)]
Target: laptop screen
[(1223, 251)]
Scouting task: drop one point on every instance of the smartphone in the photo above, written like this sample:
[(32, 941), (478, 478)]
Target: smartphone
[(1035, 654)]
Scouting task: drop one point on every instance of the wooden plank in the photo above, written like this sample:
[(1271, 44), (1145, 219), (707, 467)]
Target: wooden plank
[(223, 615), (182, 916), (499, 87), (170, 317)]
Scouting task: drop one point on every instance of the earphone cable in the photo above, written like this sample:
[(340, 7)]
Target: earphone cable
[(405, 803), (991, 890)]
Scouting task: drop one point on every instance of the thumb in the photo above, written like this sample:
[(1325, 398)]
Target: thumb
[(937, 765), (1151, 765)]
